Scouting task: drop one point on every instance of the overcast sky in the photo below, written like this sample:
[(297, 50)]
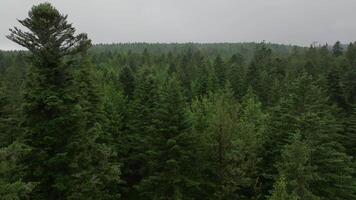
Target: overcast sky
[(298, 22)]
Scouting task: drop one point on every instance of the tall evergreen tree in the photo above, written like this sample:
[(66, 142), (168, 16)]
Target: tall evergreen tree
[(337, 49), (306, 109), (127, 81), (296, 168), (351, 53), (250, 141), (56, 118), (142, 124), (215, 119), (9, 123), (280, 191), (173, 167), (220, 71)]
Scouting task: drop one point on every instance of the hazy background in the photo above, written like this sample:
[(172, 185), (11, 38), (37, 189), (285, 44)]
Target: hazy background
[(300, 22)]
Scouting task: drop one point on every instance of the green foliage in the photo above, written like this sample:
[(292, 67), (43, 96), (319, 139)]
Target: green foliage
[(280, 191), (11, 184), (172, 174), (61, 112), (295, 168), (337, 49), (173, 121), (127, 80)]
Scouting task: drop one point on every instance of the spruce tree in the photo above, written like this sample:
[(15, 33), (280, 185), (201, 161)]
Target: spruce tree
[(337, 49), (127, 81), (305, 109), (58, 120), (12, 186), (280, 191), (141, 126), (214, 119), (12, 153), (351, 53), (9, 122), (350, 133), (173, 169), (295, 167), (220, 71), (251, 135)]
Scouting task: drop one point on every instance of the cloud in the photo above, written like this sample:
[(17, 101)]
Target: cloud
[(282, 21)]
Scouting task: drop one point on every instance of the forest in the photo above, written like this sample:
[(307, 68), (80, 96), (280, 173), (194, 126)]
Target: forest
[(218, 121)]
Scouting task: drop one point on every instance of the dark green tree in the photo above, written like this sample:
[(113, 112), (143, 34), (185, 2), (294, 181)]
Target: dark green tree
[(295, 167), (127, 81), (220, 71), (214, 119), (337, 49), (142, 124), (11, 171), (173, 165), (280, 191), (351, 53), (306, 109), (251, 131), (59, 121)]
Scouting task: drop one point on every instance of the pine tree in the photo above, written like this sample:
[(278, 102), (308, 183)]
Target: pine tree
[(173, 164), (350, 133), (306, 109), (11, 171), (351, 53), (337, 49), (236, 75), (214, 120), (257, 72), (12, 152), (142, 124), (339, 85), (127, 81), (295, 167), (280, 191), (96, 145), (59, 121), (9, 123), (220, 71), (250, 142), (204, 82)]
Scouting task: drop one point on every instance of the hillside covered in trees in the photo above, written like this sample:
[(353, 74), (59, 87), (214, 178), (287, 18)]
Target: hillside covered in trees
[(173, 121)]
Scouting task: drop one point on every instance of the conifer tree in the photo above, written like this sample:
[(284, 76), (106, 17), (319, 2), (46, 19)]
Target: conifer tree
[(336, 87), (12, 152), (127, 81), (173, 167), (295, 167), (57, 119), (97, 147), (220, 71), (250, 142), (214, 120), (257, 75), (9, 130), (280, 191), (142, 124), (306, 109), (351, 53), (12, 186), (337, 49), (350, 133)]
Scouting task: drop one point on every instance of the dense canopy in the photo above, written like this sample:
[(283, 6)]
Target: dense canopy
[(173, 121)]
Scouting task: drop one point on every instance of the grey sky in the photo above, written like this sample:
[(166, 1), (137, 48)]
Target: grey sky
[(282, 21)]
